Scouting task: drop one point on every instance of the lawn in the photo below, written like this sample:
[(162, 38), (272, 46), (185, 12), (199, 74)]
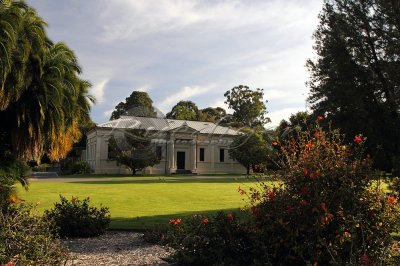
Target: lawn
[(144, 202)]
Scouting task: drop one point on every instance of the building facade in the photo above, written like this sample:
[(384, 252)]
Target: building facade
[(182, 146)]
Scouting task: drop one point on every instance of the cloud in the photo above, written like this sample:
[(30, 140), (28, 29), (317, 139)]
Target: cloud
[(185, 93), (277, 116), (98, 90)]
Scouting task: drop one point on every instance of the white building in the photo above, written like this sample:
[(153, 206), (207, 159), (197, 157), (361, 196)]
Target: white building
[(183, 146)]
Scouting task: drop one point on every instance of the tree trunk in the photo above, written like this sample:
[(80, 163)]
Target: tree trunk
[(248, 169), (133, 171)]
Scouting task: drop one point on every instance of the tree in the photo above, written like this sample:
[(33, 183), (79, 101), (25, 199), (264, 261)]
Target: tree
[(184, 110), (248, 107), (300, 121), (250, 149), (211, 114), (354, 80), (133, 149), (138, 103), (42, 98)]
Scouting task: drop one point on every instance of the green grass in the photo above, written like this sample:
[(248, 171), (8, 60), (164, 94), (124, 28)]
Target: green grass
[(144, 202)]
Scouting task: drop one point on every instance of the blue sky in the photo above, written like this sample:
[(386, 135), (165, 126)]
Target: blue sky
[(188, 49)]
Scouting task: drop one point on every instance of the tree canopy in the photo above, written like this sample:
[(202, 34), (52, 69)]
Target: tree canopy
[(43, 100), (133, 149), (138, 103), (354, 79), (42, 97), (184, 110), (251, 148), (248, 107)]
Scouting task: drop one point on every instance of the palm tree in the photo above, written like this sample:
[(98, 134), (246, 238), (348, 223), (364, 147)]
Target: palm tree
[(42, 97)]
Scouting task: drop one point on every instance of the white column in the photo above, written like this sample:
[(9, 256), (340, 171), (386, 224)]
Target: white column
[(194, 156), (212, 155), (171, 149), (97, 155)]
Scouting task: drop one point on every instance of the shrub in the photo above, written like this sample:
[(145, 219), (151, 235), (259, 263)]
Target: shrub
[(12, 171), (76, 167), (328, 210), (220, 240), (26, 239), (76, 218)]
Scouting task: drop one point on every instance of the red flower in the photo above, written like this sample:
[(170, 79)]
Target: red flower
[(271, 195), (316, 134), (175, 222), (241, 191), (358, 139), (320, 117), (314, 176), (10, 263), (205, 221), (309, 145), (305, 171), (392, 200), (230, 217)]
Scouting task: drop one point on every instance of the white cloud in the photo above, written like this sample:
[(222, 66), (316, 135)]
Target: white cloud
[(98, 90), (184, 94), (278, 115)]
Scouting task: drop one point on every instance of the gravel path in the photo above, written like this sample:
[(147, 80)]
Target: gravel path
[(116, 248)]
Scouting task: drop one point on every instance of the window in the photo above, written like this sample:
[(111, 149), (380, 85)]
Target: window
[(201, 154), (159, 152), (221, 155)]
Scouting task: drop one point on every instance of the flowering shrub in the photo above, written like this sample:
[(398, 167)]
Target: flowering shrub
[(219, 240), (26, 239), (76, 218), (327, 211)]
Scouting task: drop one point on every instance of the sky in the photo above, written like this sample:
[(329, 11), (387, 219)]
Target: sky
[(188, 49)]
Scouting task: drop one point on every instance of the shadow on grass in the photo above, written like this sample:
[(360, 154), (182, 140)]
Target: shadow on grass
[(160, 221)]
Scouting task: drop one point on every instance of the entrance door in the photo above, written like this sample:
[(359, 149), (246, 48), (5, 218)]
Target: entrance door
[(180, 160)]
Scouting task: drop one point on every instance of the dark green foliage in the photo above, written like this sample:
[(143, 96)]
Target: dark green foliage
[(184, 110), (328, 210), (355, 79), (138, 103), (220, 240), (76, 167), (248, 107), (12, 171), (26, 239), (251, 148), (133, 149), (76, 218), (211, 114)]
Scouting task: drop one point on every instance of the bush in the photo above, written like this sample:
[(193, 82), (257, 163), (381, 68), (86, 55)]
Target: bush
[(76, 167), (220, 240), (76, 218), (26, 239), (12, 171), (328, 210)]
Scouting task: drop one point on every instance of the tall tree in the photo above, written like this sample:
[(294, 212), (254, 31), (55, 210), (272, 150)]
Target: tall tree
[(354, 80), (138, 103), (251, 148), (184, 110), (211, 114), (249, 110), (42, 97), (133, 149)]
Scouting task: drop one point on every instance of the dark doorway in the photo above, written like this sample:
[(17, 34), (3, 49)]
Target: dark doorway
[(180, 160)]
